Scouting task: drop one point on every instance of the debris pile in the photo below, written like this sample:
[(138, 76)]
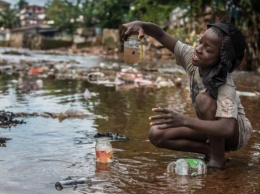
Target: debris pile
[(7, 120), (3, 141), (110, 73), (112, 136)]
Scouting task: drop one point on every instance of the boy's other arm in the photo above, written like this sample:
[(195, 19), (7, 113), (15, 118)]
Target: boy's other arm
[(223, 127)]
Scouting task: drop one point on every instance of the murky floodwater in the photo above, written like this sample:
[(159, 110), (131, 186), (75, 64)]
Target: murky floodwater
[(46, 150)]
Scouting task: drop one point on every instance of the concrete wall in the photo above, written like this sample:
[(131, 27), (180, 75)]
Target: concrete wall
[(16, 40)]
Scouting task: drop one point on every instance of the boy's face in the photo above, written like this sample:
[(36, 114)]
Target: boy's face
[(206, 54)]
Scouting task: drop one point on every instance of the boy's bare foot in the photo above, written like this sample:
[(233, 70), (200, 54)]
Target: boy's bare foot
[(228, 155), (216, 164)]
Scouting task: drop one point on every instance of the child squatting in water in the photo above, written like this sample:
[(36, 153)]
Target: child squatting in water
[(221, 124)]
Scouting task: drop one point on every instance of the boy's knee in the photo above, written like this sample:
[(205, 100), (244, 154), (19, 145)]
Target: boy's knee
[(155, 136), (206, 105)]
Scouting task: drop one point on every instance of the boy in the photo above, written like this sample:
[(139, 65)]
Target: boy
[(221, 124)]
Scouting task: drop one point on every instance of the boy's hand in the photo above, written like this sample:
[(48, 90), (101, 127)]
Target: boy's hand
[(131, 28), (169, 119)]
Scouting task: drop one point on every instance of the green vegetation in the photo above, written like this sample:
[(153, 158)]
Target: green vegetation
[(82, 13), (8, 18), (69, 15)]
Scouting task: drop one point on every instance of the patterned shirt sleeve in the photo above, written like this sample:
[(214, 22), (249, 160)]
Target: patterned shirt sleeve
[(226, 102)]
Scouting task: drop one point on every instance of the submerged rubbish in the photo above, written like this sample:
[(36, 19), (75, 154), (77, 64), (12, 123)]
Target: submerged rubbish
[(7, 119), (87, 94), (69, 182), (94, 77), (67, 114), (3, 141), (112, 136)]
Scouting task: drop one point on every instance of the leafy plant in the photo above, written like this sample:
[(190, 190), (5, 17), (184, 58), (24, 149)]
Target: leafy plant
[(8, 18)]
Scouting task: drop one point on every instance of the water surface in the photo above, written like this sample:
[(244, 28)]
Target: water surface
[(47, 150)]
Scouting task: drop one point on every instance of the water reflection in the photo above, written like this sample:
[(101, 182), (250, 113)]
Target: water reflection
[(47, 150)]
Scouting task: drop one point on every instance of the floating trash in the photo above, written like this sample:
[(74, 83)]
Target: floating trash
[(188, 166), (87, 94), (104, 150), (249, 94), (7, 119), (69, 182), (3, 141), (112, 136)]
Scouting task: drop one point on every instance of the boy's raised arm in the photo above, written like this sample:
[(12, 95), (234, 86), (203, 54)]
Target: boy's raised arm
[(141, 28)]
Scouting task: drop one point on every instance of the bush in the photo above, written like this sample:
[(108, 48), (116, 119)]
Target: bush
[(51, 44), (4, 43)]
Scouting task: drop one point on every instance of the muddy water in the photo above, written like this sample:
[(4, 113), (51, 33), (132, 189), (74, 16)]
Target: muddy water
[(46, 150)]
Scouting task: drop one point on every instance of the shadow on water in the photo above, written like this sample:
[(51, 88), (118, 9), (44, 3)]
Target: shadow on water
[(47, 150)]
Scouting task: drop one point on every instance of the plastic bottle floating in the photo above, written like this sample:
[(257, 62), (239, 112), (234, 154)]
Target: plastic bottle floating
[(67, 183), (76, 182), (188, 166), (104, 150)]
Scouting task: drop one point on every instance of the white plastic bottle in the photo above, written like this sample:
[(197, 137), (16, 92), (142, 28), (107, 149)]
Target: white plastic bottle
[(188, 166), (104, 150)]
